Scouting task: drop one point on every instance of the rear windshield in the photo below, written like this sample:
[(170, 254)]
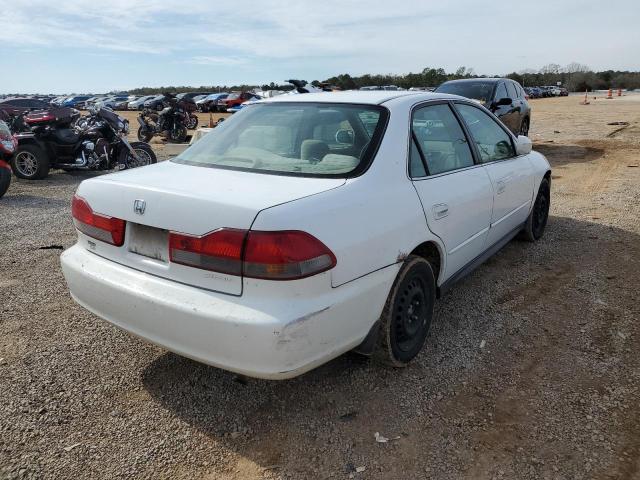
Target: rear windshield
[(480, 91), (308, 139)]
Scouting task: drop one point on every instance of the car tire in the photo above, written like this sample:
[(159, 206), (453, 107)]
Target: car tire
[(524, 127), (407, 314), (537, 219), (5, 180), (193, 122), (30, 162)]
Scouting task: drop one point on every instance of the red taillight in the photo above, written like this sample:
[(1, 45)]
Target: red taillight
[(100, 227), (220, 251), (283, 255)]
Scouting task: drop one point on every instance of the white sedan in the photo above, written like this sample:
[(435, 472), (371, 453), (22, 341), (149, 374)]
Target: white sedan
[(304, 227)]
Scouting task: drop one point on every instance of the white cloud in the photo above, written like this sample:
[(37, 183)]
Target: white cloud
[(213, 60), (316, 40)]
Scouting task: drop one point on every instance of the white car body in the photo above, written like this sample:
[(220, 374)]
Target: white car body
[(139, 103), (371, 222)]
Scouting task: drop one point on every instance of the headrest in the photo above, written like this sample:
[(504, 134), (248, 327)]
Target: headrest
[(313, 150)]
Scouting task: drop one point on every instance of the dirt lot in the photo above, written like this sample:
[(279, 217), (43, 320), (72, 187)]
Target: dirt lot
[(532, 370)]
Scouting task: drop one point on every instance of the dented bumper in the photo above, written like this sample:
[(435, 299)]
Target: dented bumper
[(275, 330)]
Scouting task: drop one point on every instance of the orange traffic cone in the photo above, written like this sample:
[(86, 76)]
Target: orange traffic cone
[(619, 92), (211, 124), (585, 101), (610, 95)]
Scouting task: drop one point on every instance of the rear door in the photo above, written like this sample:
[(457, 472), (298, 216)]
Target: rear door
[(511, 176), (456, 194)]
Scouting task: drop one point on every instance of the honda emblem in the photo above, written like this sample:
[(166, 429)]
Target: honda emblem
[(139, 206)]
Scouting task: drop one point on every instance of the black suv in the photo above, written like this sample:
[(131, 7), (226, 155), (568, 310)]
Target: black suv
[(504, 97)]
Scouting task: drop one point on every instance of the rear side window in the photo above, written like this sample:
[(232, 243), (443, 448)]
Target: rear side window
[(492, 141), (310, 139), (476, 90), (440, 140), (501, 92)]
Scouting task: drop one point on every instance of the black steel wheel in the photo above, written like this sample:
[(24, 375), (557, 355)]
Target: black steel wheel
[(539, 215), (407, 315), (524, 127)]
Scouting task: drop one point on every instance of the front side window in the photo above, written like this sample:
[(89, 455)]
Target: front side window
[(440, 140), (492, 141), (511, 88), (310, 139)]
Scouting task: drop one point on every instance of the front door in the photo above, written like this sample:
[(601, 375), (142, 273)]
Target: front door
[(508, 113), (511, 176)]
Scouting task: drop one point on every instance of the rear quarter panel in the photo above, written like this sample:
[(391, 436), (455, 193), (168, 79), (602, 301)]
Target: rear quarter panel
[(373, 221)]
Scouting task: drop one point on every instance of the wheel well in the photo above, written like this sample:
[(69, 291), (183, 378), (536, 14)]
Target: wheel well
[(430, 252), (547, 175)]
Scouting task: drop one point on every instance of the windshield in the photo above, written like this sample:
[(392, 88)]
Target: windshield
[(308, 139), (481, 91)]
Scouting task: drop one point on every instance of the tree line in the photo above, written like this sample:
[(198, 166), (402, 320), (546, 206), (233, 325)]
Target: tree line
[(575, 77)]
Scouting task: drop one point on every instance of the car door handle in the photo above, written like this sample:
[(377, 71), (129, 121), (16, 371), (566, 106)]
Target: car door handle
[(440, 211), (501, 186)]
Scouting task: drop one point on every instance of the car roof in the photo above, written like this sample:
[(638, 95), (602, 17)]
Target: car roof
[(369, 97), (480, 79)]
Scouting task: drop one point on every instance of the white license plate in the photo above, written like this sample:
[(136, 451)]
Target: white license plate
[(149, 242)]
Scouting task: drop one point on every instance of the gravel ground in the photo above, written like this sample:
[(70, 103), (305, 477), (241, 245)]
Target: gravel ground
[(532, 370)]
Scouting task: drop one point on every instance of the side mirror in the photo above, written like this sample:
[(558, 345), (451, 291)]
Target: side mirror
[(523, 145), (503, 101)]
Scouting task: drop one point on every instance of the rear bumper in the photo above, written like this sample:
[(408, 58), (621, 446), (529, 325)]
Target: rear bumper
[(257, 334)]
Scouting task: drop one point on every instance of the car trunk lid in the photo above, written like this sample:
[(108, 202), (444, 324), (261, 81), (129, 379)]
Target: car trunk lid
[(168, 197)]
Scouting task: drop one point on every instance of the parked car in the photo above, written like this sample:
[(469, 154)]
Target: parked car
[(563, 92), (364, 207), (21, 104), (86, 104), (191, 95), (75, 101), (138, 103), (124, 104), (533, 92), (234, 99), (111, 102), (504, 97), (209, 103), (156, 103)]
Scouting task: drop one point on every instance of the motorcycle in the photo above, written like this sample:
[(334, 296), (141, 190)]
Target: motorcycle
[(24, 121), (8, 145), (172, 122), (101, 144)]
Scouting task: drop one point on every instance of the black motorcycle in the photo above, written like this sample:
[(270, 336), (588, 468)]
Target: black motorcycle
[(171, 123), (99, 145)]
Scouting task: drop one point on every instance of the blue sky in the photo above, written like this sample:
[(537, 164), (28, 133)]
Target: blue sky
[(73, 46)]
